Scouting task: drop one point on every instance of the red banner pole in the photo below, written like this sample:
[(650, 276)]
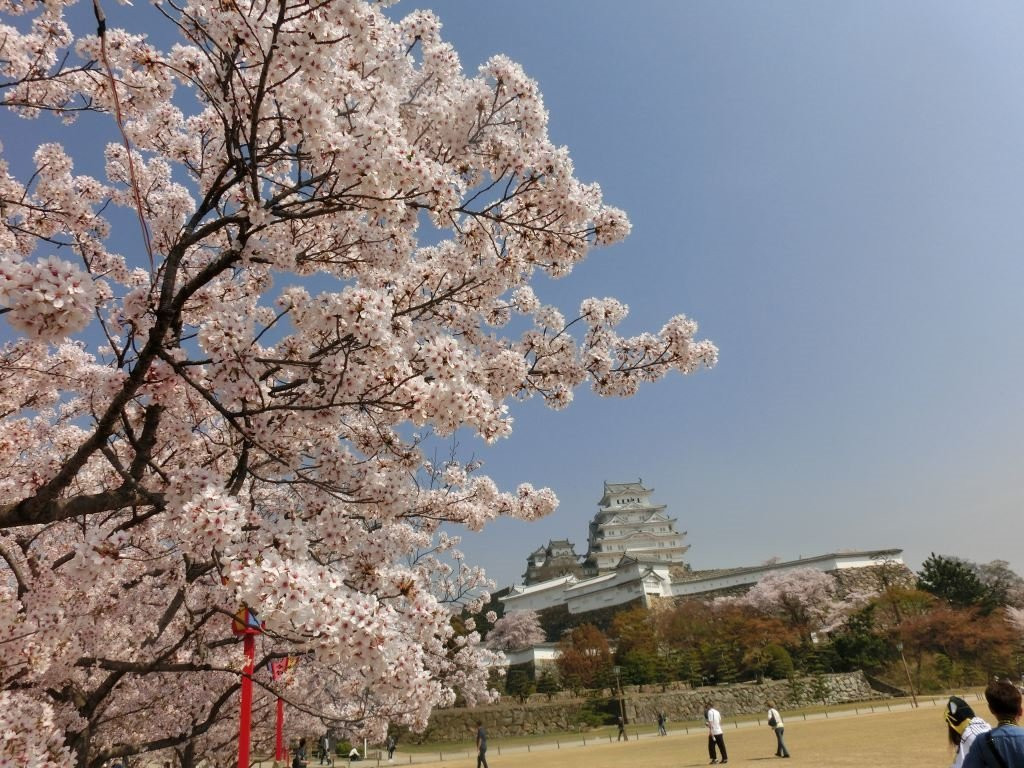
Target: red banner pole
[(279, 742), (249, 645)]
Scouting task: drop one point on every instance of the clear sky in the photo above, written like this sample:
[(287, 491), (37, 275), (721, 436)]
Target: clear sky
[(834, 191)]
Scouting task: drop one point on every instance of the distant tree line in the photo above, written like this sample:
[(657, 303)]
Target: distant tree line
[(957, 623)]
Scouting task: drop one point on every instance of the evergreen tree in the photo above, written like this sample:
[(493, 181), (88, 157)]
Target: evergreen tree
[(687, 666), (724, 665), (519, 684), (548, 684), (859, 645), (779, 664), (956, 581)]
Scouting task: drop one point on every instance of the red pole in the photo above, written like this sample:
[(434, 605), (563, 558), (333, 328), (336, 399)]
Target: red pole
[(279, 742), (249, 645)]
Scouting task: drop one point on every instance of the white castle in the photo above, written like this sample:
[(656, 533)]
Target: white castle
[(635, 554)]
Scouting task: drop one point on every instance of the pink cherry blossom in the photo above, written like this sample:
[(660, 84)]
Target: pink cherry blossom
[(514, 630), (239, 402)]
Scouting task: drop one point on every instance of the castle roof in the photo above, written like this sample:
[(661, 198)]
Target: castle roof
[(625, 487), (627, 561), (841, 555), (526, 589), (552, 543)]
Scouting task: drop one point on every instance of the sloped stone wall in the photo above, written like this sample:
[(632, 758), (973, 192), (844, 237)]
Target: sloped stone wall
[(873, 578), (540, 715)]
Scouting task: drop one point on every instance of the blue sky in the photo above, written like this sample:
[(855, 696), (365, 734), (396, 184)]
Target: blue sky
[(834, 192)]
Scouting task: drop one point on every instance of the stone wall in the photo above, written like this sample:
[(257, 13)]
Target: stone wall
[(748, 698), (505, 719), (642, 703), (873, 578)]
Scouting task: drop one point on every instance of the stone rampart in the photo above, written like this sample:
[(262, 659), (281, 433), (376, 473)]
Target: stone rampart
[(679, 702)]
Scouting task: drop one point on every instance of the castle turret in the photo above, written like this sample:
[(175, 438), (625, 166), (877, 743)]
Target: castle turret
[(558, 558)]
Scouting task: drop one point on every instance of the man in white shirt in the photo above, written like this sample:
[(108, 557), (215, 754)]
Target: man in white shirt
[(714, 722)]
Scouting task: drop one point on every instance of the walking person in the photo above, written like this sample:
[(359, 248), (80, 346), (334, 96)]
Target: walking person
[(963, 727), (661, 724), (1003, 746), (775, 723), (392, 743), (325, 750), (715, 736), (622, 729), (481, 745), (711, 739)]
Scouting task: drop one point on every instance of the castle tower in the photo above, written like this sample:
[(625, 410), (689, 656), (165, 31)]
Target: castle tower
[(628, 523), (558, 558)]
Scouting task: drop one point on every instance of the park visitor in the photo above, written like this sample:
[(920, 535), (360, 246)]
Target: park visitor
[(1003, 746), (775, 723), (622, 728), (481, 745), (711, 739), (391, 745), (963, 726), (661, 724), (325, 750), (713, 719)]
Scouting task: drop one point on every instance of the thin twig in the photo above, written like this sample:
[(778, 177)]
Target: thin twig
[(101, 31)]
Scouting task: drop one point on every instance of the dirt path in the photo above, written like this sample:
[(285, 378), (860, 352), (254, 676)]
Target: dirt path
[(907, 739)]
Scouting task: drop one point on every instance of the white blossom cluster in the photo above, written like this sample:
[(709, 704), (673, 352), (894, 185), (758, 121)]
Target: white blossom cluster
[(806, 598), (234, 410), (515, 630)]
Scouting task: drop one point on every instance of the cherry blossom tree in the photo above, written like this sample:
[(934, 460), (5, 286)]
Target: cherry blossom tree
[(1015, 617), (224, 397), (1005, 586), (516, 629), (805, 598)]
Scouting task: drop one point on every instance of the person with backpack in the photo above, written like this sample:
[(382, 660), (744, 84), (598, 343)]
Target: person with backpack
[(1003, 746), (775, 723)]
